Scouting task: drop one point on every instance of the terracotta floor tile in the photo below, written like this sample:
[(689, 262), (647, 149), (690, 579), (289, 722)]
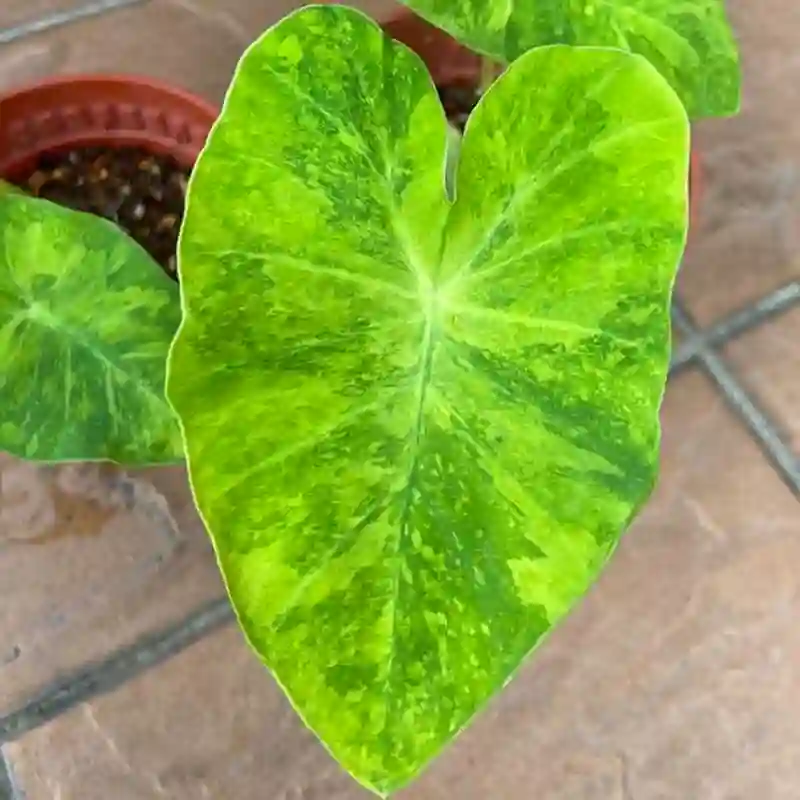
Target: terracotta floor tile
[(202, 58), (19, 12), (190, 50), (247, 18), (30, 60), (712, 468), (675, 678), (710, 463), (90, 559), (211, 723), (748, 230), (768, 362)]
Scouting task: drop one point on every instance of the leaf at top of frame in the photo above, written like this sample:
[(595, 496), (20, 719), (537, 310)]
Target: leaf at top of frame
[(689, 41)]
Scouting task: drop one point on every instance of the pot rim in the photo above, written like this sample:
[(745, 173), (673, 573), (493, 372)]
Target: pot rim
[(99, 78), (100, 109)]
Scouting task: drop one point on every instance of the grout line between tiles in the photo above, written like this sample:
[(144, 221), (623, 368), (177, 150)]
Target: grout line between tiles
[(114, 671), (761, 428), (59, 18), (735, 324), (8, 789)]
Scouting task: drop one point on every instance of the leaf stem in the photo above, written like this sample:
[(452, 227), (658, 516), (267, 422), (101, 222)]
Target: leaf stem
[(489, 70)]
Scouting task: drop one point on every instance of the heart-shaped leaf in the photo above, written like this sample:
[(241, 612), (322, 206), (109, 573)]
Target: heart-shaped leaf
[(689, 41), (416, 428), (86, 320)]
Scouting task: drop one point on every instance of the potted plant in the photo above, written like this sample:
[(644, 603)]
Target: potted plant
[(118, 146), (416, 378), (101, 304)]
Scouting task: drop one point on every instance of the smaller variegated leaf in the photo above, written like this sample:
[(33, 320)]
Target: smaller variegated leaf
[(86, 321)]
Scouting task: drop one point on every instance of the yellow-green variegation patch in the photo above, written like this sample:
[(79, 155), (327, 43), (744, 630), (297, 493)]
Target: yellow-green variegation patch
[(417, 425), (689, 41), (86, 320)]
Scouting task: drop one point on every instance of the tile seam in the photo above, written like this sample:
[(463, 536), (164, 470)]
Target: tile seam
[(759, 426), (115, 671), (8, 787), (736, 323), (58, 19)]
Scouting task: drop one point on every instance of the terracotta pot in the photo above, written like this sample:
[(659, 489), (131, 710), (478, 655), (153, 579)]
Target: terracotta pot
[(448, 62), (100, 110), (452, 64)]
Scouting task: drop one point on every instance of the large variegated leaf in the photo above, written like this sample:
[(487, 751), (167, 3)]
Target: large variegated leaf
[(86, 320), (689, 41), (416, 428)]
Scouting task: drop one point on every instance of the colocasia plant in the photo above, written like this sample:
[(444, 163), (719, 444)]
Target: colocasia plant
[(417, 379)]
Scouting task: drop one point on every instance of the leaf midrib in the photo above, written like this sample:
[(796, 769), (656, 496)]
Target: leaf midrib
[(427, 349)]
